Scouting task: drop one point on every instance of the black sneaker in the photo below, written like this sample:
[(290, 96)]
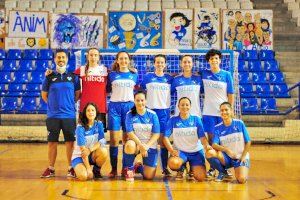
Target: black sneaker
[(97, 173)]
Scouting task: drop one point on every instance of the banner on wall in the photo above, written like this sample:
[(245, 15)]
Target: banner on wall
[(178, 28), (207, 28), (134, 30), (77, 31), (2, 27), (247, 29), (26, 43), (28, 24)]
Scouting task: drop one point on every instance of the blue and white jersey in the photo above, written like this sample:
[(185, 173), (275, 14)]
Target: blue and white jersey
[(158, 90), (186, 133), (121, 85), (188, 87), (88, 138), (216, 87), (143, 126), (233, 137)]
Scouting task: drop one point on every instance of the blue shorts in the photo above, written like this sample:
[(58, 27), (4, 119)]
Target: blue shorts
[(229, 162), (79, 160), (151, 160), (163, 117), (209, 123), (117, 114), (195, 158)]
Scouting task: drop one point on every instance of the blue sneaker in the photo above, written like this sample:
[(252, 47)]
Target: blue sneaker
[(221, 177)]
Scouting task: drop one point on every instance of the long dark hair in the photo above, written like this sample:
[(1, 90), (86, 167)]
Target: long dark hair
[(116, 67), (133, 109), (87, 61), (83, 118)]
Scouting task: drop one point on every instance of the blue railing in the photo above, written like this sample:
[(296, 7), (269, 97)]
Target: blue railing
[(297, 105)]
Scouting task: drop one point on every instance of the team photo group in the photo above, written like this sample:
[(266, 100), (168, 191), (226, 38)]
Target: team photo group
[(190, 138)]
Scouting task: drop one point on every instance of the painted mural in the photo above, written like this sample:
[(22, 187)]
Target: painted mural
[(178, 28), (207, 28), (134, 30), (2, 27), (247, 29), (77, 31)]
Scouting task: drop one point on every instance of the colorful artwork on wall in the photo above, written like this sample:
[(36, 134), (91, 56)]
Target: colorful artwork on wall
[(2, 27), (178, 28), (26, 43), (28, 24), (207, 28), (77, 31), (247, 29), (134, 30)]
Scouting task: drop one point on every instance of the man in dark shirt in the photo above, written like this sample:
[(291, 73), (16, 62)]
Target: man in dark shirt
[(60, 91)]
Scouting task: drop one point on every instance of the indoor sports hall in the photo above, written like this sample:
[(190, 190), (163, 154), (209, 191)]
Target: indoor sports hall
[(45, 48)]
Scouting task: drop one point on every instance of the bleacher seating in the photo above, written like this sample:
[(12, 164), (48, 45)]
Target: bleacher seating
[(260, 82), (259, 74)]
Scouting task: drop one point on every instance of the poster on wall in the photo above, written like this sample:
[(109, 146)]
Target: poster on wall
[(28, 24), (77, 30), (134, 30), (26, 43), (207, 28), (247, 29), (2, 27), (178, 28)]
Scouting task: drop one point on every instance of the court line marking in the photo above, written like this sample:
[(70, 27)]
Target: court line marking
[(64, 193), (4, 151), (169, 193), (271, 195)]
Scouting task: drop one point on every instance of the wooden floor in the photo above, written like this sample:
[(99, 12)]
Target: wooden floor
[(274, 174)]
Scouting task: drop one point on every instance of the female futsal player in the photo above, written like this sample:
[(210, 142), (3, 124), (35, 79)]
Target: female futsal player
[(142, 128), (231, 145), (121, 82), (188, 85), (158, 87), (89, 148), (187, 131)]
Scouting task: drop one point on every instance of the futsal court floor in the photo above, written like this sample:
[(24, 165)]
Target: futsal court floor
[(274, 174)]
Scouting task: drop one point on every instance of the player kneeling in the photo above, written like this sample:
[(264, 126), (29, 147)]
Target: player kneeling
[(187, 133), (231, 145), (142, 128), (89, 148)]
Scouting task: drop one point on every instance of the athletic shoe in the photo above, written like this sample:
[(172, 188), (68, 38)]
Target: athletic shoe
[(221, 177), (112, 174), (167, 173), (179, 176), (190, 176), (48, 173), (71, 173), (97, 173), (229, 173), (211, 173), (129, 174)]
